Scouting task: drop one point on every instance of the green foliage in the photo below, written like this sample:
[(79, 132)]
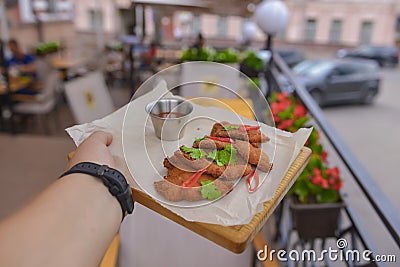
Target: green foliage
[(207, 54), (255, 82), (230, 127), (195, 153), (224, 156), (229, 55), (317, 182), (199, 139), (48, 47), (251, 59), (209, 190)]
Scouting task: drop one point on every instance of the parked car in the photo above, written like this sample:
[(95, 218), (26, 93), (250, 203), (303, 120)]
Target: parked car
[(383, 55), (339, 80), (291, 56)]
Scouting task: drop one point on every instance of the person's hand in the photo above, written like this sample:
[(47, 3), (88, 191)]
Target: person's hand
[(94, 149)]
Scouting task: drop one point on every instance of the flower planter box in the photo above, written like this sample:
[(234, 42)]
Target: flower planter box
[(210, 75), (315, 220), (249, 71)]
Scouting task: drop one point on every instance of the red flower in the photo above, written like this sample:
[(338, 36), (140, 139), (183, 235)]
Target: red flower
[(276, 118), (317, 172), (282, 96), (333, 172), (334, 178), (284, 125), (338, 185), (324, 156), (277, 107), (318, 180), (299, 111)]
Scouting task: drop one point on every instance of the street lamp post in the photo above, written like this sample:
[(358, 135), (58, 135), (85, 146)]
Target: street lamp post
[(271, 16), (249, 30)]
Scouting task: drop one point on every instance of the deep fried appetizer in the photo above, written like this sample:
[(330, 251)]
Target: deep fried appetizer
[(171, 187), (248, 133), (254, 155), (206, 170), (247, 152), (184, 162)]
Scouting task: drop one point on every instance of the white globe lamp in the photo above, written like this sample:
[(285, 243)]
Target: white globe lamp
[(271, 16), (249, 30)]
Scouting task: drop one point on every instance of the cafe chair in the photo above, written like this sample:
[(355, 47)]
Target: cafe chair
[(41, 104), (43, 68), (88, 97)]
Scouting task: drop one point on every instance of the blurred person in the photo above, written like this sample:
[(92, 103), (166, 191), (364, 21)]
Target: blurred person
[(199, 43), (148, 57), (21, 64), (71, 223), (113, 64), (25, 63)]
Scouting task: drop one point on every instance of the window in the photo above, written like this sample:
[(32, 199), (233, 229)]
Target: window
[(196, 25), (344, 70), (222, 26), (310, 30), (335, 31), (52, 6), (95, 19), (366, 32)]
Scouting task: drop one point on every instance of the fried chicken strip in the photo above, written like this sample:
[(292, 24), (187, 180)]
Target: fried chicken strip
[(254, 155), (230, 172), (253, 136), (247, 152), (170, 188)]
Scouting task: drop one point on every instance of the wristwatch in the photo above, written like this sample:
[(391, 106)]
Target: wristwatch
[(112, 178)]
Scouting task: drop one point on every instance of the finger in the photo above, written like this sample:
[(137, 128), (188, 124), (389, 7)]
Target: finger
[(103, 137)]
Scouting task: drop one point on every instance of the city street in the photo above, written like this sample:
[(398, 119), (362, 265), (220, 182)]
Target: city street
[(372, 133)]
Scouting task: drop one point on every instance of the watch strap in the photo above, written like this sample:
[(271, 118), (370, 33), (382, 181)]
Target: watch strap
[(112, 178)]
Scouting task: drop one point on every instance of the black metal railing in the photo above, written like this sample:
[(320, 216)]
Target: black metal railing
[(385, 210)]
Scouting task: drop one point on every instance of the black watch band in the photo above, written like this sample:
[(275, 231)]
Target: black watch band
[(112, 178)]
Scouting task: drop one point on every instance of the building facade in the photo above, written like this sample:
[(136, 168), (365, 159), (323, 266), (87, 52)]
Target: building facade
[(31, 22), (322, 22), (345, 22)]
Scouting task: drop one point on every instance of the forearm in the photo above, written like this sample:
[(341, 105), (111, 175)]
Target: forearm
[(70, 224)]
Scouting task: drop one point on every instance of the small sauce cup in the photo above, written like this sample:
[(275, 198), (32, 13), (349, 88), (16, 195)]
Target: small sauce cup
[(169, 116)]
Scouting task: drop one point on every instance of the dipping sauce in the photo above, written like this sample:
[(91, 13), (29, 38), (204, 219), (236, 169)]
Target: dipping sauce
[(171, 115)]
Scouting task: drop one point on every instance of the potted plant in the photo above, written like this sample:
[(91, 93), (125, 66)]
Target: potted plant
[(251, 64), (314, 201), (47, 48), (212, 75)]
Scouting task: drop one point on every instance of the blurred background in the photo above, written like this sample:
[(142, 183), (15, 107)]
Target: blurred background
[(66, 62)]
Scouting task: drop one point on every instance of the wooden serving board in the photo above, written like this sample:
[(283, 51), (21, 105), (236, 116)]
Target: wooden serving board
[(234, 238)]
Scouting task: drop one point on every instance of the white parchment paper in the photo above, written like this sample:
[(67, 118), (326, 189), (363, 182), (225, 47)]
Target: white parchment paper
[(139, 155)]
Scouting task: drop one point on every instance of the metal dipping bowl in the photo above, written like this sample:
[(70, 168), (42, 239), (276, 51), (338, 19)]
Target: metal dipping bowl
[(169, 128)]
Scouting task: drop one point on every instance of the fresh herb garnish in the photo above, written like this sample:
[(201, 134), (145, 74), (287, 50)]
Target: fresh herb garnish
[(195, 153), (224, 156), (212, 154), (230, 127), (199, 139), (209, 190)]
